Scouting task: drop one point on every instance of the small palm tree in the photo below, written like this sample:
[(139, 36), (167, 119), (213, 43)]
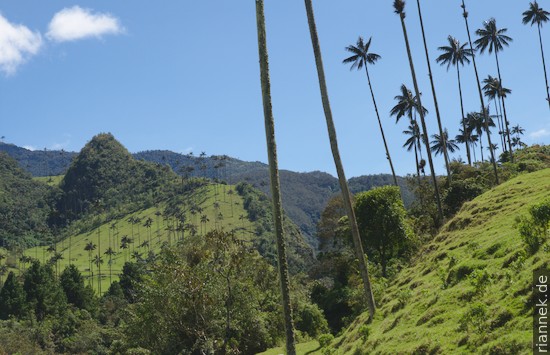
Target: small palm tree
[(456, 54), (413, 142), (361, 58), (439, 142), (407, 105), (494, 39), (493, 90), (536, 15), (465, 136)]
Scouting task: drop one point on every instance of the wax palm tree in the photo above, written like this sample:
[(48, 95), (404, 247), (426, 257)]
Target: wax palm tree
[(337, 161), (413, 142), (98, 260), (536, 15), (465, 136), (110, 252), (438, 116), (475, 121), (481, 100), (274, 179), (89, 247), (493, 90), (361, 58), (399, 7), (493, 39), (456, 54), (438, 144), (407, 105)]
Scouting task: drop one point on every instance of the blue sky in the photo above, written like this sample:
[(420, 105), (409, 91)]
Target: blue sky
[(184, 76)]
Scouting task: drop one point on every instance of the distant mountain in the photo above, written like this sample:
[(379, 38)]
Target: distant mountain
[(304, 194)]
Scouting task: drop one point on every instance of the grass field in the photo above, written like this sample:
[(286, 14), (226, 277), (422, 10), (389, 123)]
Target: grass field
[(223, 211), (50, 180), (437, 306)]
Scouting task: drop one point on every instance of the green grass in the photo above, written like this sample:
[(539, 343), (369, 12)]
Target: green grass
[(440, 291), (50, 180), (72, 248), (310, 347)]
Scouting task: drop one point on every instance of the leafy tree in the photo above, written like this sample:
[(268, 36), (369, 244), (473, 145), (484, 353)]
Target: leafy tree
[(337, 161), (274, 179), (382, 219), (132, 275), (399, 6), (44, 294), (537, 15), (77, 293), (362, 57), (456, 55), (12, 298), (212, 294)]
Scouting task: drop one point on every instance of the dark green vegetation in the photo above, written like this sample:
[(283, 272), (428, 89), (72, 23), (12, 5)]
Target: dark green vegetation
[(304, 194)]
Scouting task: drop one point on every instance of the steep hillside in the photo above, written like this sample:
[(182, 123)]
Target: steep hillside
[(304, 194), (25, 205), (469, 290)]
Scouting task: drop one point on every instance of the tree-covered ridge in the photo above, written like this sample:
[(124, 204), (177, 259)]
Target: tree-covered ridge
[(105, 175), (25, 205)]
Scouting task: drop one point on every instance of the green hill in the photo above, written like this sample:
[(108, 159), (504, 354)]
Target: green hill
[(468, 291), (112, 208)]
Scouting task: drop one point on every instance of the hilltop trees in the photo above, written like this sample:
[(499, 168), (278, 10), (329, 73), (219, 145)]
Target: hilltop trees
[(537, 15), (381, 217), (362, 57)]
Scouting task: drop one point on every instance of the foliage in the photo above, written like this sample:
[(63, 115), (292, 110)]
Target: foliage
[(12, 298), (534, 229), (205, 296), (77, 294), (325, 340), (384, 229), (25, 206), (45, 297)]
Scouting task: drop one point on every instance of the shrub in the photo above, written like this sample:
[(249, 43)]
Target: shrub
[(480, 279), (459, 192), (325, 340)]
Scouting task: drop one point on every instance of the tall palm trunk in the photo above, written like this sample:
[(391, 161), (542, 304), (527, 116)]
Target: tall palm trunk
[(381, 129), (481, 100), (544, 67), (422, 120), (338, 162), (500, 124), (462, 111), (441, 132), (274, 179), (506, 123)]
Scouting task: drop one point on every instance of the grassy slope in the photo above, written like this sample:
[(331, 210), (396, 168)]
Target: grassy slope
[(481, 235), (419, 315), (73, 247), (53, 180)]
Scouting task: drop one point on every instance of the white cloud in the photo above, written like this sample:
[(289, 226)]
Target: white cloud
[(76, 23), (17, 44), (29, 147), (540, 133)]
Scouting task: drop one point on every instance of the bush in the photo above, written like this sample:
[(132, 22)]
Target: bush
[(325, 340), (310, 320), (459, 192)]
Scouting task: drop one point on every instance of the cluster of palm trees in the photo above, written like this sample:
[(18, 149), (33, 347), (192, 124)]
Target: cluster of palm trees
[(473, 124)]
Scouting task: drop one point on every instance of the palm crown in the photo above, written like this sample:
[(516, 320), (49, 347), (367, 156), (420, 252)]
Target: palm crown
[(491, 37), (492, 88), (454, 53), (407, 104), (361, 56), (399, 6), (535, 15)]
